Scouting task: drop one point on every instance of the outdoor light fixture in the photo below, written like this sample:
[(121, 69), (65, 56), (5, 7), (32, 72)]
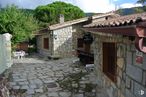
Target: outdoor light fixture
[(51, 33), (55, 36)]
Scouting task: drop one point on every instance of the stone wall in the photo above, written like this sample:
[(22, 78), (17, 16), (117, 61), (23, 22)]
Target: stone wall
[(62, 42), (40, 48), (135, 74), (5, 62), (130, 77), (4, 92), (79, 33)]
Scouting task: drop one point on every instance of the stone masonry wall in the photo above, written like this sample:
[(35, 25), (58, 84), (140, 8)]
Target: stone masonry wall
[(78, 33), (130, 77), (135, 74), (63, 42), (40, 49), (4, 92)]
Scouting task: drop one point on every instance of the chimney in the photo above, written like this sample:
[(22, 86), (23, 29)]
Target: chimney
[(61, 18)]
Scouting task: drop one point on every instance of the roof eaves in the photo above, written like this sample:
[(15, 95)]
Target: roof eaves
[(120, 21), (68, 23), (102, 15)]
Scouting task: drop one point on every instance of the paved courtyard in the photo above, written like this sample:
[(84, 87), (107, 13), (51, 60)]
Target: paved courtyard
[(35, 77)]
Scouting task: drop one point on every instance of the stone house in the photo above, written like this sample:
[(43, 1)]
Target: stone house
[(120, 55), (62, 39)]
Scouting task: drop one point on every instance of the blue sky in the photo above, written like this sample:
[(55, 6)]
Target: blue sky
[(85, 5)]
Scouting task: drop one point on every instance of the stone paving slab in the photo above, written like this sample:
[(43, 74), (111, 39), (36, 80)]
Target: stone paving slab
[(39, 77)]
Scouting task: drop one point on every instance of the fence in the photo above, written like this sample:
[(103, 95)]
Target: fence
[(5, 52)]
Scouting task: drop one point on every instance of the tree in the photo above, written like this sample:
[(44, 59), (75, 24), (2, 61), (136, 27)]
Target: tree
[(138, 10), (50, 13), (17, 23), (119, 11)]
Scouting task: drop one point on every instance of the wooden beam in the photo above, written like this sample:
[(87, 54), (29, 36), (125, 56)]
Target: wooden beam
[(125, 30)]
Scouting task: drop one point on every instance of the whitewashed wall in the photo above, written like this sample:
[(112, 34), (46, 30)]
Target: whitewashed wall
[(5, 52)]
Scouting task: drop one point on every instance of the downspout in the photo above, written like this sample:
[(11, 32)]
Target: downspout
[(139, 40)]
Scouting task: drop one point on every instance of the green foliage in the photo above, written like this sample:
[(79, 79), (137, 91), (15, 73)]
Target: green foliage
[(119, 11), (14, 21), (127, 11), (50, 13), (138, 10)]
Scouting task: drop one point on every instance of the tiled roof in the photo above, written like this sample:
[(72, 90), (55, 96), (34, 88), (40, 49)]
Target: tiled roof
[(68, 23), (119, 21)]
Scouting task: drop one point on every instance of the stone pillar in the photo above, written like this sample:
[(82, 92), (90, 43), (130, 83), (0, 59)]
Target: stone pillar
[(7, 45)]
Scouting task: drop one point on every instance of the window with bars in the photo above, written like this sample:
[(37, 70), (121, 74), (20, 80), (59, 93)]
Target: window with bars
[(46, 43), (109, 60)]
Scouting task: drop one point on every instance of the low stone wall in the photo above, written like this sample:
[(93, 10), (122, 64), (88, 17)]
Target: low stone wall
[(4, 91)]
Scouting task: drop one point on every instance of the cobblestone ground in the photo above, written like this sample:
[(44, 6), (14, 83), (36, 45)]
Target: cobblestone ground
[(51, 78)]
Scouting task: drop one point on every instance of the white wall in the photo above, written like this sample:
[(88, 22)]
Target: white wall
[(5, 52)]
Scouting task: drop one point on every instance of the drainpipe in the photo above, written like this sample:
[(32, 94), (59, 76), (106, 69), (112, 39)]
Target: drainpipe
[(139, 41)]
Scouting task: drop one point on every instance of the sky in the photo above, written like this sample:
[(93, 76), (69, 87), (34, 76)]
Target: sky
[(97, 6)]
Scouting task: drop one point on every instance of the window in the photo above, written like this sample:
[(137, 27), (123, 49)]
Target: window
[(46, 43), (109, 60), (80, 42)]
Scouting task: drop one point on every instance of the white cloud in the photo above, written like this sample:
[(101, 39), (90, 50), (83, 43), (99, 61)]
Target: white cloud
[(30, 4), (129, 5), (95, 5), (115, 0), (86, 5)]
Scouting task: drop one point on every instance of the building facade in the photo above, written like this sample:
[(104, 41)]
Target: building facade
[(119, 55), (61, 40)]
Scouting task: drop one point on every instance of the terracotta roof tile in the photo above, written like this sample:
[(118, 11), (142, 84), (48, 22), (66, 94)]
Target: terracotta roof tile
[(68, 23), (119, 21)]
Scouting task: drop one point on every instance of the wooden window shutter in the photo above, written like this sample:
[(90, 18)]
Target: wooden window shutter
[(109, 60)]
